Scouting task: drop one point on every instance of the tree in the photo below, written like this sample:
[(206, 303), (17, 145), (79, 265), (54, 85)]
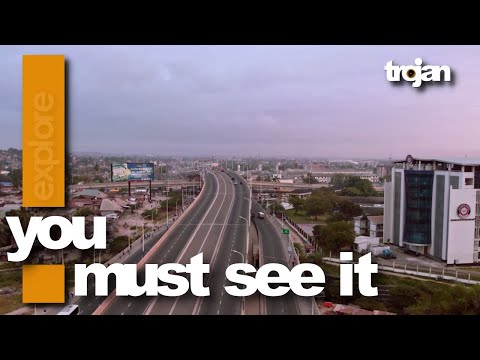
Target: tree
[(16, 177), (349, 208), (317, 205), (296, 202), (96, 167), (335, 236), (277, 207)]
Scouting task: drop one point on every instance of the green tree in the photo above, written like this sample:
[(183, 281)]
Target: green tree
[(16, 177), (335, 236), (277, 207), (296, 202), (317, 205), (96, 167), (349, 208)]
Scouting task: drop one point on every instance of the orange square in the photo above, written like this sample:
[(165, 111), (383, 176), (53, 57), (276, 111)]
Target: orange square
[(43, 284)]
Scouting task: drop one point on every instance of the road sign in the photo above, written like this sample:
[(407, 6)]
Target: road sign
[(285, 231)]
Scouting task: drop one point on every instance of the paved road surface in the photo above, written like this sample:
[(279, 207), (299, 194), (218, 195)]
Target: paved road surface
[(220, 231), (171, 246), (214, 228), (273, 251)]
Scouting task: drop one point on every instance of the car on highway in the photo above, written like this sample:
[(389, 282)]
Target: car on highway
[(261, 215), (235, 183)]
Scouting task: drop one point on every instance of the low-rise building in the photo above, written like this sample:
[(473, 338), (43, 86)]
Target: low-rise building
[(363, 244)]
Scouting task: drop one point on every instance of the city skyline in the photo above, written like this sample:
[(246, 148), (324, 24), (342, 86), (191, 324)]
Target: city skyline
[(277, 101)]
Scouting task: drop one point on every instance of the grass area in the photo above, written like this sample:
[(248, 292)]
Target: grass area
[(11, 278), (302, 218), (10, 303)]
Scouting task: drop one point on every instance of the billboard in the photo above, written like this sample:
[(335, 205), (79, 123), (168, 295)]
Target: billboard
[(132, 172)]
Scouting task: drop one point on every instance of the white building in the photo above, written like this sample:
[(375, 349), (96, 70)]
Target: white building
[(432, 206), (362, 244)]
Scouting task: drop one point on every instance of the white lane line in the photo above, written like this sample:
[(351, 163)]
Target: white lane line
[(129, 304), (199, 302), (173, 307), (154, 301)]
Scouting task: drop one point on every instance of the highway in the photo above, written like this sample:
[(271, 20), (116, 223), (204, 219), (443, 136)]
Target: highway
[(172, 244), (274, 252), (213, 227), (216, 235)]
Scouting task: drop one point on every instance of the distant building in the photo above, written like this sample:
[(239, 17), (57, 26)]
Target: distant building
[(363, 244), (370, 226), (300, 193), (375, 226), (432, 206), (90, 193), (361, 226)]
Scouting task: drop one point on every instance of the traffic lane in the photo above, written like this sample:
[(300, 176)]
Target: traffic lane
[(167, 252), (88, 304), (228, 304), (273, 252), (188, 303), (220, 302), (205, 233)]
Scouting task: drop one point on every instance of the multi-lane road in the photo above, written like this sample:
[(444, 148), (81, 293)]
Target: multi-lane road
[(273, 249), (215, 226)]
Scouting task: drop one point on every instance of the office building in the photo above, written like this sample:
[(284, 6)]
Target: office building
[(432, 207)]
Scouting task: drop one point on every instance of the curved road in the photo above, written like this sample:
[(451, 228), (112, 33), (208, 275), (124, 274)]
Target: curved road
[(213, 227)]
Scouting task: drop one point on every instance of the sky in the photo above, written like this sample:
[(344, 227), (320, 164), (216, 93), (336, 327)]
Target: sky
[(282, 101)]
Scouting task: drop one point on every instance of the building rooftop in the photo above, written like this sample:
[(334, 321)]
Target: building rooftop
[(375, 219), (457, 161), (91, 193), (365, 239), (301, 191)]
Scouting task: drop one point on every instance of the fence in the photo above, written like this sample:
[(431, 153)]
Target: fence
[(436, 273)]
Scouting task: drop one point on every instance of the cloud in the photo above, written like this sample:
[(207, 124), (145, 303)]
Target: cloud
[(310, 100)]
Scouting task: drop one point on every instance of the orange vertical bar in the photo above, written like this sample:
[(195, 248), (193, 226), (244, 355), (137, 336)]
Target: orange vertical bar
[(43, 131)]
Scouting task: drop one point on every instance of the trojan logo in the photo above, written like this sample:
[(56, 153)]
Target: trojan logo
[(417, 74)]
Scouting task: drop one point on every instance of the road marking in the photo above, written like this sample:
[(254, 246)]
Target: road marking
[(173, 307), (199, 302), (129, 304), (154, 301)]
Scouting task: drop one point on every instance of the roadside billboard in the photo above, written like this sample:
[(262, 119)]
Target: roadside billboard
[(132, 172)]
